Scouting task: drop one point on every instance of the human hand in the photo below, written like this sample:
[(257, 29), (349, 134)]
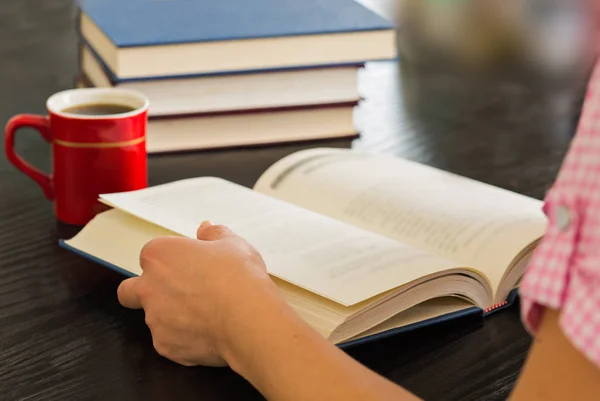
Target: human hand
[(197, 293), (211, 302)]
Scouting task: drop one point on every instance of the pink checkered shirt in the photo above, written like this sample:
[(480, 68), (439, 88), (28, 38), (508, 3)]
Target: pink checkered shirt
[(564, 273)]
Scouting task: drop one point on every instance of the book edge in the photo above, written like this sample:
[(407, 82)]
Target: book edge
[(62, 244), (116, 80), (473, 312), (136, 45), (342, 139)]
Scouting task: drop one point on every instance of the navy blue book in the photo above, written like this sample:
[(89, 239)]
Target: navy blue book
[(204, 95), (362, 246), (148, 38)]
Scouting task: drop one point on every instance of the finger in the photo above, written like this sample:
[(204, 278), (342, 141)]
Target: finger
[(207, 224), (127, 293), (213, 232), (203, 226)]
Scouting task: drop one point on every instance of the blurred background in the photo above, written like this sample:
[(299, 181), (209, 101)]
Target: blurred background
[(461, 58), (553, 39)]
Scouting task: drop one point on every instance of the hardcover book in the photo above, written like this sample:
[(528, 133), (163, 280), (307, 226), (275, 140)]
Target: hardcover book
[(147, 38), (359, 244)]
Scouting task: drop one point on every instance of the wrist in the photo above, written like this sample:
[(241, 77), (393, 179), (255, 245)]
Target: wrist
[(251, 313), (259, 329)]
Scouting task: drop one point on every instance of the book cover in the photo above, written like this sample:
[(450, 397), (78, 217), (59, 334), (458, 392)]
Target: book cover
[(135, 23)]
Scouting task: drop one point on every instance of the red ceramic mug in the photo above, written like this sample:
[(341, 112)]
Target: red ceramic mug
[(91, 153)]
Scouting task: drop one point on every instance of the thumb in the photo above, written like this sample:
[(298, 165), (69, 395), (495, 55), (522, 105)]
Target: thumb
[(211, 232), (127, 293)]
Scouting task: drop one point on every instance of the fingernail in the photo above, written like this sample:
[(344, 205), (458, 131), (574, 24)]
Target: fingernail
[(206, 224)]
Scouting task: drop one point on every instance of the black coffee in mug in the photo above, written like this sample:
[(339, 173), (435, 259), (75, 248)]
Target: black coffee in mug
[(101, 109)]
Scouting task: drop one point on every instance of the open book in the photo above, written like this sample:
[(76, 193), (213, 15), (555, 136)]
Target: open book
[(358, 243)]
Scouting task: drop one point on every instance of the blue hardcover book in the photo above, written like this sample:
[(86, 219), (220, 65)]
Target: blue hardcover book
[(362, 246), (187, 96), (148, 38)]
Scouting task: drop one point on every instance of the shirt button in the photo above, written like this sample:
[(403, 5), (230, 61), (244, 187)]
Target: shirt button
[(563, 218)]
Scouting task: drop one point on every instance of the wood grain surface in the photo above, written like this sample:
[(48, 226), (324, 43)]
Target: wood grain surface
[(63, 335)]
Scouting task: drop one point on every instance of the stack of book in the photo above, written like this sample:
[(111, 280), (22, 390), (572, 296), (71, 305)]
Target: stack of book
[(223, 73)]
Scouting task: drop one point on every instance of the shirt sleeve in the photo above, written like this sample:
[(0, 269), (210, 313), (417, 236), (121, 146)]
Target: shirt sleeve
[(564, 272)]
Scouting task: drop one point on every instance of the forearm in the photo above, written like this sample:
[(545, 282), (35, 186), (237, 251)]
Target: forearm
[(286, 360), (555, 369)]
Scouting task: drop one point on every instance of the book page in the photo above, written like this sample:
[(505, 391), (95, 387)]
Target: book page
[(328, 257), (115, 239), (432, 309), (466, 221)]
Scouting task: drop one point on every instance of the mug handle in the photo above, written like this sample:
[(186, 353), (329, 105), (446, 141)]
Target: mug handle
[(41, 124)]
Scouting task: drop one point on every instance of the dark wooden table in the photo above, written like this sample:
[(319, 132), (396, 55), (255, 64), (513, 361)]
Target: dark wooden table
[(63, 335)]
